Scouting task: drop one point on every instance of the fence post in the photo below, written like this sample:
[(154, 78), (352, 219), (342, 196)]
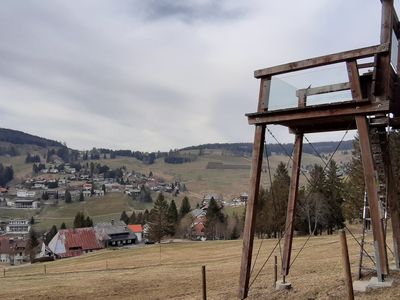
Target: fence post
[(44, 269), (275, 270), (106, 264), (4, 272), (203, 272), (346, 265)]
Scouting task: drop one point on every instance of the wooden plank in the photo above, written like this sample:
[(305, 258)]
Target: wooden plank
[(366, 65), (322, 111), (249, 226), (291, 207), (369, 171), (324, 89), (322, 60)]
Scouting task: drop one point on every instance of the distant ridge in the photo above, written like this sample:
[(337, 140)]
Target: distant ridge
[(246, 148), (19, 137)]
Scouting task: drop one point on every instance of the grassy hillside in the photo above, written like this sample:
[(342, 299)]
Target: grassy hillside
[(175, 273)]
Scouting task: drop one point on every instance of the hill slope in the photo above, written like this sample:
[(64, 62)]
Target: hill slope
[(20, 138)]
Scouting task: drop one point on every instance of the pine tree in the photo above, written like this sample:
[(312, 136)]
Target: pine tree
[(81, 197), (63, 226), (139, 218), (354, 186), (132, 218), (124, 217), (68, 198), (172, 212), (159, 225), (215, 218), (49, 236), (146, 216), (185, 207), (88, 222), (333, 194), (172, 216), (32, 243)]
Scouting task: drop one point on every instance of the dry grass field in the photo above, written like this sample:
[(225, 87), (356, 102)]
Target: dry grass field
[(138, 273)]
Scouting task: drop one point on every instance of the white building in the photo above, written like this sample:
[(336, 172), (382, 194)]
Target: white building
[(18, 226)]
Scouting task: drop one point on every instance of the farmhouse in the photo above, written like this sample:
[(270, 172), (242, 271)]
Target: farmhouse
[(197, 228), (12, 250), (74, 242), (115, 234)]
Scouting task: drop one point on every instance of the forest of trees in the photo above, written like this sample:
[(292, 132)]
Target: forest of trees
[(247, 148)]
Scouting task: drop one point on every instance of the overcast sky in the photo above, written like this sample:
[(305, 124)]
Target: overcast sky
[(159, 74)]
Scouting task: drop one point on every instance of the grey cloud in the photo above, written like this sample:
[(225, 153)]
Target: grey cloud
[(189, 11)]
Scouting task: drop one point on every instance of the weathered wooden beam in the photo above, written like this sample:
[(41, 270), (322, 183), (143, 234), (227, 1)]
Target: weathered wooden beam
[(292, 201), (366, 65), (249, 225), (324, 89), (317, 112), (369, 172), (322, 60), (248, 232), (393, 205), (383, 67)]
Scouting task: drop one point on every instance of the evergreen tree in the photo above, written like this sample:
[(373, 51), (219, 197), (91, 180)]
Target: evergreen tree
[(89, 222), (132, 218), (172, 212), (278, 196), (215, 218), (173, 216), (159, 225), (32, 243), (333, 192), (146, 216), (354, 186), (145, 195), (139, 218), (63, 226), (68, 198), (124, 217), (49, 236), (185, 207)]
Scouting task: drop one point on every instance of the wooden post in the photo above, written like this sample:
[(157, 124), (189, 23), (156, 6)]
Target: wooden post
[(393, 209), (346, 265), (291, 208), (106, 264), (204, 282), (275, 270), (44, 267), (369, 174), (248, 231), (4, 272)]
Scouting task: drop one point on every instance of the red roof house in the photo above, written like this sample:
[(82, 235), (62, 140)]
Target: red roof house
[(138, 230), (74, 242)]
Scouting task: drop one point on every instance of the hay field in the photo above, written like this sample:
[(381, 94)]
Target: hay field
[(138, 273)]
